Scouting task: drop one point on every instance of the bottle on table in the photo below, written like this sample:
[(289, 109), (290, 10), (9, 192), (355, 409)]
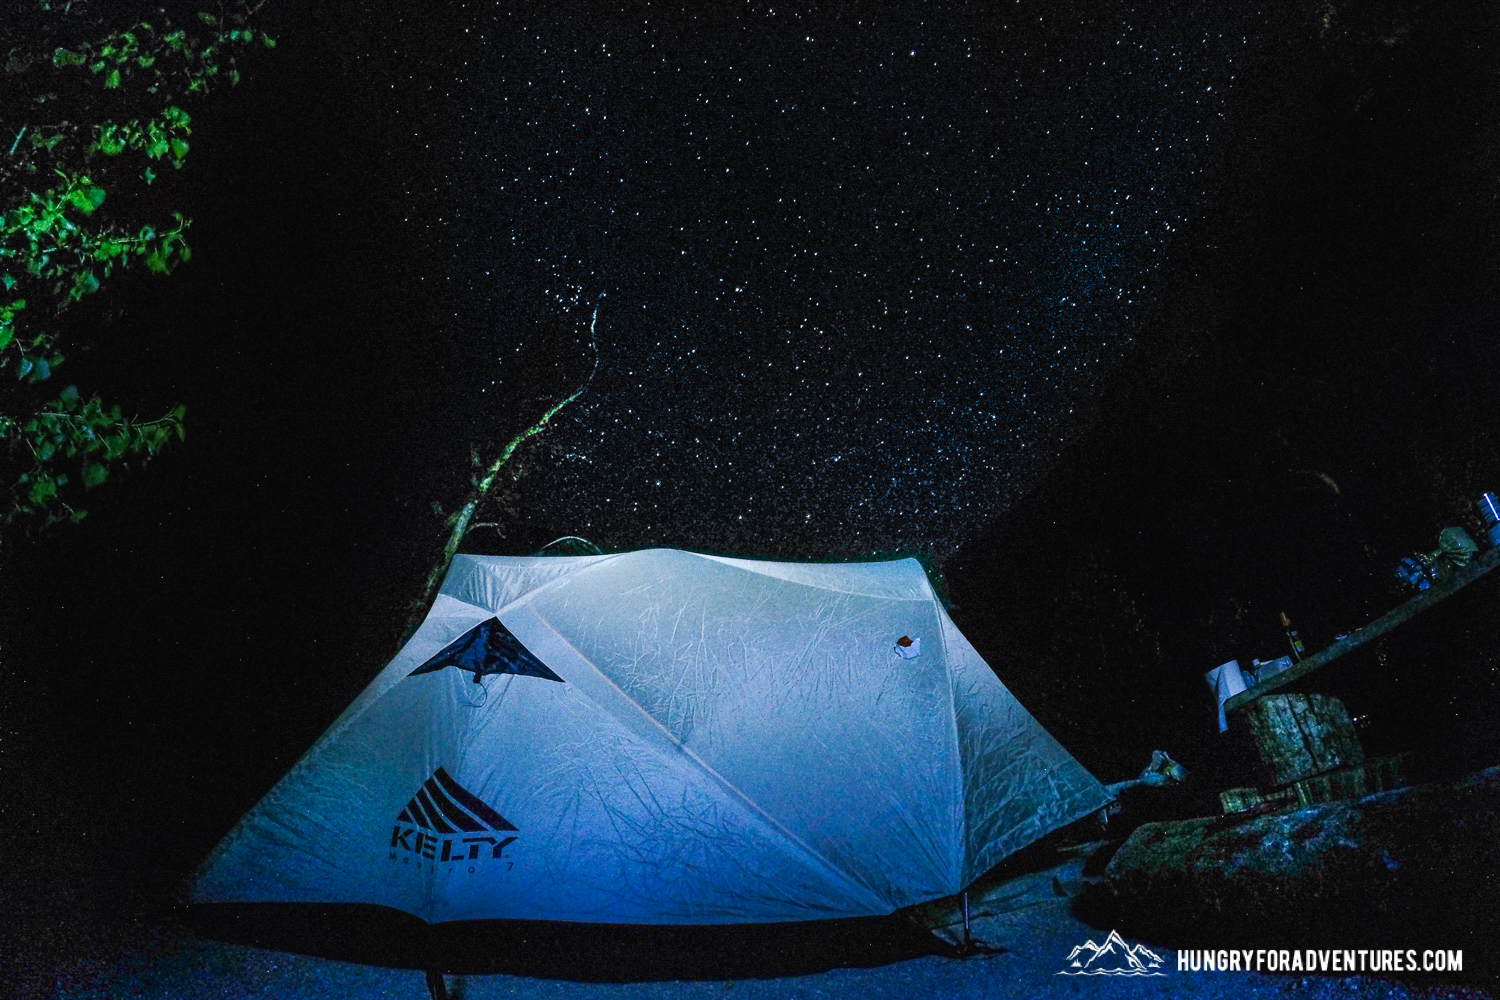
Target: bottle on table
[(1292, 637)]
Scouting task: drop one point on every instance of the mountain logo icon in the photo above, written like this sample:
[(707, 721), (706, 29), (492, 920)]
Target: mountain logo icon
[(1115, 957), (442, 804), (444, 814)]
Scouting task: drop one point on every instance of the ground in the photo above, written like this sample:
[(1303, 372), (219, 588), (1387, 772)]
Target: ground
[(115, 955)]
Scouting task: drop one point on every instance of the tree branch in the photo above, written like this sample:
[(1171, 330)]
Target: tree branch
[(459, 523)]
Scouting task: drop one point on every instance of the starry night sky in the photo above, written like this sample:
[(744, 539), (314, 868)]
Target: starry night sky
[(857, 274), (1086, 302)]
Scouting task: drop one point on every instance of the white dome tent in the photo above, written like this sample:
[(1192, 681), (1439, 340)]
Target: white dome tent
[(661, 737)]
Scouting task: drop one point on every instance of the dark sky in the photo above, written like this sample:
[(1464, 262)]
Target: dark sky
[(857, 272), (1081, 299)]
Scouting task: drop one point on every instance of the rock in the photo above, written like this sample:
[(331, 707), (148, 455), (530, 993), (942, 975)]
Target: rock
[(1414, 861)]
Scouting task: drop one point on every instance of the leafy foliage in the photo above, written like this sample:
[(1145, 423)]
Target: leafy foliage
[(117, 109), (166, 59), (71, 433)]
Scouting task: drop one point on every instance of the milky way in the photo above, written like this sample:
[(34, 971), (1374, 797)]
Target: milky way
[(857, 275)]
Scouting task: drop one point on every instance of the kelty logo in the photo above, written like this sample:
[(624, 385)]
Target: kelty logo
[(445, 822)]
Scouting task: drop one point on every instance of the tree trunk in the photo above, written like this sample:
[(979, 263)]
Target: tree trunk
[(461, 520)]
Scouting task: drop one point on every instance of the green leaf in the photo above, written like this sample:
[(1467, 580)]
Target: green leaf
[(77, 515), (157, 149), (43, 489), (94, 473), (87, 199), (149, 174), (7, 331), (112, 80), (69, 397), (179, 148), (62, 57), (207, 18), (145, 62), (24, 368), (7, 281), (270, 42), (109, 142)]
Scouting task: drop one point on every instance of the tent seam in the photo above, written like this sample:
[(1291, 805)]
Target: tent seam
[(739, 565), (962, 796), (842, 877), (544, 588)]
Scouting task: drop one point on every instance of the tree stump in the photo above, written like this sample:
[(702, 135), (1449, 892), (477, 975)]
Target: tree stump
[(1300, 735)]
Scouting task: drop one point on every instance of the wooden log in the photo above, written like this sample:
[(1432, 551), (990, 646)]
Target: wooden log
[(1480, 565), (1300, 735)]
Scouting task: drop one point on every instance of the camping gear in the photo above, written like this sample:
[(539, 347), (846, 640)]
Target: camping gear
[(667, 738), (1225, 681), (1415, 571), (1455, 548), (1160, 772), (1489, 513), (1292, 637), (1263, 669)]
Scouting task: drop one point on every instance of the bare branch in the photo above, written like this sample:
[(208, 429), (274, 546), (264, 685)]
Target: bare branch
[(461, 519)]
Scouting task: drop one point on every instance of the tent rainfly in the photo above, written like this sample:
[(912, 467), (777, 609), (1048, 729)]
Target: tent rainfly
[(661, 737)]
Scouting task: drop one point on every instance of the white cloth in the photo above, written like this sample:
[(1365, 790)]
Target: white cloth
[(1225, 681)]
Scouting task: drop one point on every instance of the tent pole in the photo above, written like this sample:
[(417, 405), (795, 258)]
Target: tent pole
[(968, 941)]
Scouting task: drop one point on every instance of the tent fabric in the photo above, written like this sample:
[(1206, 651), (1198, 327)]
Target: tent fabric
[(725, 741)]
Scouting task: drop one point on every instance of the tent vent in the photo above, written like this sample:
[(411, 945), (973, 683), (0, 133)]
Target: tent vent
[(488, 648)]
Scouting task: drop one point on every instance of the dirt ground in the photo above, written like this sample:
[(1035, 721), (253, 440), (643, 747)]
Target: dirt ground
[(112, 952)]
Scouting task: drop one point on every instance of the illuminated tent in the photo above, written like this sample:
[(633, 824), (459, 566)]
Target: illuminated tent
[(662, 737)]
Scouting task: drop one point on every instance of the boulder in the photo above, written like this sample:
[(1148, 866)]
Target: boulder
[(1410, 865)]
